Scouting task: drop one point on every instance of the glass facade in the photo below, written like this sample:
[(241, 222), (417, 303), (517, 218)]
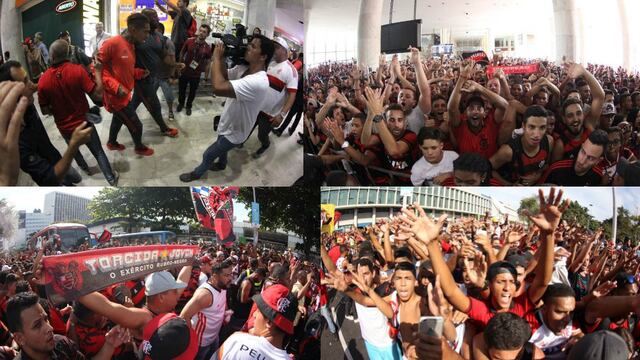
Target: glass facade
[(361, 205)]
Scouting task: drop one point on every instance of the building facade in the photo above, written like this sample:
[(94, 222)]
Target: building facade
[(361, 206), (66, 207)]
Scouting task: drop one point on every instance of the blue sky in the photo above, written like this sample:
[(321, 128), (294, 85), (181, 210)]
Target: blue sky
[(599, 200), (29, 198)]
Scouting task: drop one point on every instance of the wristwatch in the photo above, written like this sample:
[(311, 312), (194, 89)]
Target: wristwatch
[(377, 118), (345, 144)]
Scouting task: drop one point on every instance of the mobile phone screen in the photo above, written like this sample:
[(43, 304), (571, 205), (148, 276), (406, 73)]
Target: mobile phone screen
[(431, 325)]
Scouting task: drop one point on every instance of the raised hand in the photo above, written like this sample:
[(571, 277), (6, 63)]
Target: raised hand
[(467, 69), (551, 210), (476, 270), (471, 86), (375, 100), (423, 228), (438, 304), (574, 70), (604, 288), (117, 336), (415, 56)]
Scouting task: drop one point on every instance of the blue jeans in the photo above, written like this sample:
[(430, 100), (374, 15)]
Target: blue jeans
[(205, 352), (324, 311), (167, 90), (218, 150), (95, 146)]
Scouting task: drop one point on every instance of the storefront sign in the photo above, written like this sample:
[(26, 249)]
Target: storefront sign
[(90, 16), (66, 5)]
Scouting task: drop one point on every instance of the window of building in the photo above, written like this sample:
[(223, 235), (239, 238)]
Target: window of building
[(353, 196), (373, 194), (382, 196), (342, 198), (362, 197)]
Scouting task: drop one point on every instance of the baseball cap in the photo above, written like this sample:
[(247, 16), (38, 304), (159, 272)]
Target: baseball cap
[(501, 267), (159, 282), (475, 100), (608, 109), (517, 260), (168, 336), (279, 306), (629, 172), (6, 268), (282, 42), (602, 344)]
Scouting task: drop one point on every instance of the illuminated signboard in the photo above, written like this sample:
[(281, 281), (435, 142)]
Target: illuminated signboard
[(90, 16), (65, 6)]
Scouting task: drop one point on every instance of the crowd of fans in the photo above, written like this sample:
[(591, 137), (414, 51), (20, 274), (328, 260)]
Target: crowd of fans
[(126, 70), (452, 121), (548, 288), (238, 302)]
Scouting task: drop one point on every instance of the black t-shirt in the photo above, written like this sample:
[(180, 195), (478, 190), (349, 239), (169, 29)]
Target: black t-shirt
[(64, 349), (38, 156), (180, 25), (149, 53), (563, 173)]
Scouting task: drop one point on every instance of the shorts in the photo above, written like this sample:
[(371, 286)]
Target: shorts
[(391, 352)]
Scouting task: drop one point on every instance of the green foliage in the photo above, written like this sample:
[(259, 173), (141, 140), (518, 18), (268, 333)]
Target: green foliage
[(530, 204), (580, 215), (627, 226), (159, 208), (292, 209)]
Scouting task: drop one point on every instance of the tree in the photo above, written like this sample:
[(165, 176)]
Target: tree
[(292, 209), (158, 208), (627, 225), (530, 204), (37, 211), (580, 215), (8, 223)]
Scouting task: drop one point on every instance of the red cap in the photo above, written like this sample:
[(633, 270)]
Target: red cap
[(205, 259), (279, 306)]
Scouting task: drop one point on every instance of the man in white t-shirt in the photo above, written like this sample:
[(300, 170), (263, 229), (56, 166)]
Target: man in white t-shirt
[(206, 309), (277, 309), (96, 42), (283, 83), (246, 87), (436, 164)]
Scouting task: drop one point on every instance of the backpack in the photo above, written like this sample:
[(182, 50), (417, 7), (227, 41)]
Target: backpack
[(192, 29)]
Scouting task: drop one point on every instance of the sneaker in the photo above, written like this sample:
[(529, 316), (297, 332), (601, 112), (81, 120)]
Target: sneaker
[(188, 111), (145, 151), (116, 176), (170, 132), (179, 108), (171, 116), (261, 150), (217, 167), (188, 177), (115, 146)]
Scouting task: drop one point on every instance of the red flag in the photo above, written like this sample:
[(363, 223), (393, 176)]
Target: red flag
[(105, 236), (336, 217), (214, 209)]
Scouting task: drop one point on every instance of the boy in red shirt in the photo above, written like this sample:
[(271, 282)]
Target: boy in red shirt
[(119, 58)]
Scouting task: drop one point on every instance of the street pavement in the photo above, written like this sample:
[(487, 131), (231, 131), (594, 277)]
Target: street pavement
[(347, 343)]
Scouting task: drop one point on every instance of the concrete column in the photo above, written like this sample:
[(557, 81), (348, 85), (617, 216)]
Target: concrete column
[(355, 217), (624, 24), (491, 42), (11, 31), (369, 23), (565, 15), (260, 13)]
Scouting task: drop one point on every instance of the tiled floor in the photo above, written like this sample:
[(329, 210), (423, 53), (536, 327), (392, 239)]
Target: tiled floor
[(280, 165)]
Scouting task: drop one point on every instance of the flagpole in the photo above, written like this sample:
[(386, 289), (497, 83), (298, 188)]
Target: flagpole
[(255, 226)]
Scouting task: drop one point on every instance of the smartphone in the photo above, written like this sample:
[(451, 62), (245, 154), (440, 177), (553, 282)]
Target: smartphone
[(431, 325)]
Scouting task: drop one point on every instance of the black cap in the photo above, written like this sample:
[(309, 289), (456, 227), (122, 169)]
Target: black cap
[(603, 344), (63, 34), (517, 260), (501, 267)]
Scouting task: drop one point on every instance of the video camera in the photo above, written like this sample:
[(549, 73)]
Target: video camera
[(236, 45)]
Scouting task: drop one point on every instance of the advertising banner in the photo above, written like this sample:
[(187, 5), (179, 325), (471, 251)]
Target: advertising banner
[(72, 275), (516, 69), (327, 218)]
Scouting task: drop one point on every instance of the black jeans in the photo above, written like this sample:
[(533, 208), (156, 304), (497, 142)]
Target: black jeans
[(146, 92), (131, 121), (264, 128), (95, 146), (296, 110), (182, 90)]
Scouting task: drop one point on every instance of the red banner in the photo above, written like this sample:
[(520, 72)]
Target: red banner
[(72, 275), (515, 69), (214, 209)]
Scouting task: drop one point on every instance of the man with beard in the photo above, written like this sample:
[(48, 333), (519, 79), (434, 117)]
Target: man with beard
[(415, 109), (149, 55), (475, 130), (207, 309), (523, 159), (502, 276), (577, 126), (436, 164), (394, 145), (615, 151), (196, 55), (583, 170), (31, 330)]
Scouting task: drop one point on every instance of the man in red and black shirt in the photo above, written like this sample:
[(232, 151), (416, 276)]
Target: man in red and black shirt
[(523, 159), (583, 170), (395, 146), (577, 125), (195, 54), (61, 92), (476, 130)]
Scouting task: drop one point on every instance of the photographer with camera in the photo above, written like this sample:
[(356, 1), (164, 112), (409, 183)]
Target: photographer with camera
[(282, 76), (247, 88)]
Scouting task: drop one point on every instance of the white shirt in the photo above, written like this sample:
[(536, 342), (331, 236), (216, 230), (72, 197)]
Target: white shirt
[(240, 113), (96, 42), (374, 326), (244, 346), (423, 170), (415, 119), (282, 75), (208, 321), (202, 279)]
